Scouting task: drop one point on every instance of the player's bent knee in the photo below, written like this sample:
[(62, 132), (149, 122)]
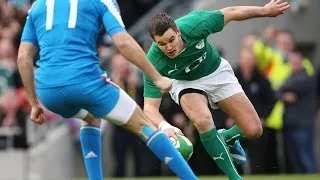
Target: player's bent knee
[(203, 122), (82, 114), (254, 130), (91, 121), (87, 118)]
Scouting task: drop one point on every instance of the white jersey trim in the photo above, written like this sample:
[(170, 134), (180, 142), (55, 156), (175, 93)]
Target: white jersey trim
[(112, 7)]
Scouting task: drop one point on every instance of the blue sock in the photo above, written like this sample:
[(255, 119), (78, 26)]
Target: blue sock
[(161, 146), (90, 138)]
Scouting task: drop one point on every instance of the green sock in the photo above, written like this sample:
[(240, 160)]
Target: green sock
[(218, 151), (232, 134)]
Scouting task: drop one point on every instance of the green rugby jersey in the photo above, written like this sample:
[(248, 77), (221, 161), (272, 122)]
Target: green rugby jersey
[(199, 59)]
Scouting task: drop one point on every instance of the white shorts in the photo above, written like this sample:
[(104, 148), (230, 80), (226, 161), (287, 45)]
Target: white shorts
[(123, 110), (218, 85)]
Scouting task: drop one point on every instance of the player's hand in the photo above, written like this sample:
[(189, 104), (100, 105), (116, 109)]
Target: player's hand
[(37, 114), (164, 84), (170, 130), (275, 8)]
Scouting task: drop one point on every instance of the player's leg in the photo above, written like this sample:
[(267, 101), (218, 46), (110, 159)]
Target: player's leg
[(65, 101), (106, 100), (227, 93), (127, 114), (240, 109), (195, 104), (229, 96), (90, 139)]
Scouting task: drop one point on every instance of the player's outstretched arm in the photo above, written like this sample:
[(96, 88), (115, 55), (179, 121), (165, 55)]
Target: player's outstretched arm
[(26, 53), (130, 49), (134, 53), (151, 109), (238, 13)]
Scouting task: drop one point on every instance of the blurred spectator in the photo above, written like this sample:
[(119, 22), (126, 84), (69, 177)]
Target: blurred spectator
[(8, 55), (259, 91), (249, 40), (269, 35), (124, 142), (8, 100), (299, 96), (273, 62), (318, 88), (14, 108), (132, 10), (10, 112), (255, 85)]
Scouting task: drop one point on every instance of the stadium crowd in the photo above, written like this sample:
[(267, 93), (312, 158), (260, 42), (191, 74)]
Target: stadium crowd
[(274, 71)]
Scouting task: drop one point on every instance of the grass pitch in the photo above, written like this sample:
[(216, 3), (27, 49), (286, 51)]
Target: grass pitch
[(260, 177)]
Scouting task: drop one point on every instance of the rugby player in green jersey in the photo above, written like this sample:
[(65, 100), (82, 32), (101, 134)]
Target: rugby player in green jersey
[(181, 52)]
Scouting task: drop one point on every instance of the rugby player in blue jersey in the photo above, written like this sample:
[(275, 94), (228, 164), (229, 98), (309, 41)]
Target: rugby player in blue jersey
[(69, 81)]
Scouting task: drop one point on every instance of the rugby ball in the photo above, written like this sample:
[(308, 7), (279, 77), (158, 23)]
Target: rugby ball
[(183, 145)]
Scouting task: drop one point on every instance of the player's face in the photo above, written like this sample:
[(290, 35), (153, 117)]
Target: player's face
[(170, 43)]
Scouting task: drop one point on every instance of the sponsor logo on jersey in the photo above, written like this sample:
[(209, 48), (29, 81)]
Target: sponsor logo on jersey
[(195, 63), (200, 44), (173, 70)]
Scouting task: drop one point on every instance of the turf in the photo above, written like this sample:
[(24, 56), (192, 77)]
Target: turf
[(265, 177)]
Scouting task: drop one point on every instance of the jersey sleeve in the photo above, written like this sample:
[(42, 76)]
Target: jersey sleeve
[(203, 23), (29, 31), (150, 90), (111, 17)]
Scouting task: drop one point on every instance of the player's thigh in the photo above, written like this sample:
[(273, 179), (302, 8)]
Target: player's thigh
[(192, 97), (128, 114), (122, 110), (240, 109), (228, 94), (110, 102), (55, 100), (223, 83), (195, 104), (98, 96)]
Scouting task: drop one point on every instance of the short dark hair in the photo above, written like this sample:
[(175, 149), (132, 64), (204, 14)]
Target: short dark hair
[(160, 23)]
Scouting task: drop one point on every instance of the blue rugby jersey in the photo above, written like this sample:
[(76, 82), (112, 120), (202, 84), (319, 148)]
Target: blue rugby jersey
[(66, 32)]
